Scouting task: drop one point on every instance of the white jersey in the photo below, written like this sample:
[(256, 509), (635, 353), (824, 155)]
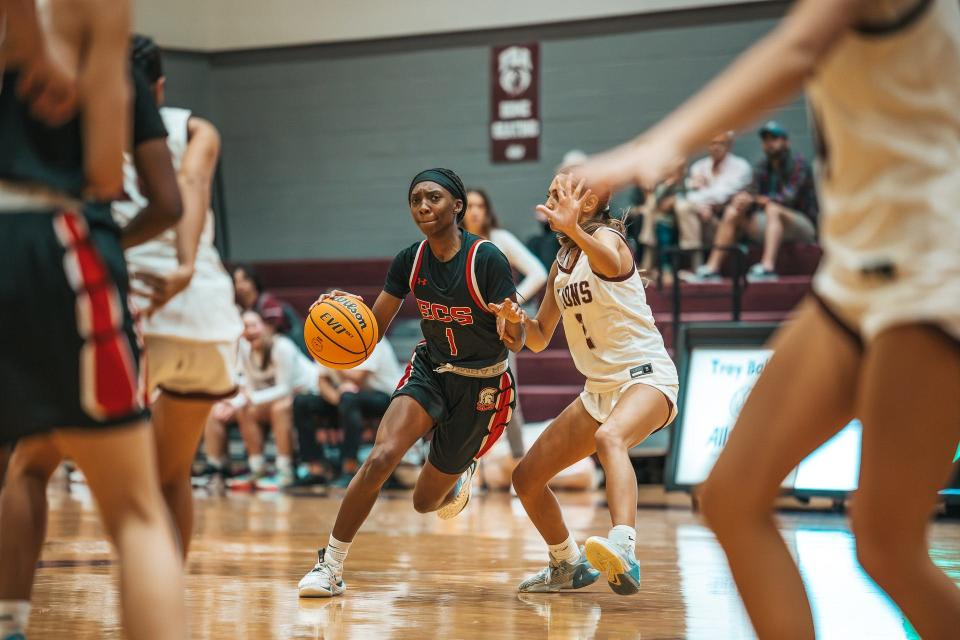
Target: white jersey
[(205, 311), (610, 329), (887, 105)]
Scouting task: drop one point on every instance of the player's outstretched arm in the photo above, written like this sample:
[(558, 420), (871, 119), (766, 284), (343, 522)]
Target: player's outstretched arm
[(539, 330), (768, 74)]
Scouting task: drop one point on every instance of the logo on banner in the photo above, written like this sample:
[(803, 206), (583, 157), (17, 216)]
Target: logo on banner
[(515, 103), (516, 70)]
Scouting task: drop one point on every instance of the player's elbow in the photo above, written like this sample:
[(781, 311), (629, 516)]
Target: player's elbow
[(609, 269)]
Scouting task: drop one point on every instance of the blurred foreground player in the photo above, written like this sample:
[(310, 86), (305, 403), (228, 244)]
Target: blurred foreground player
[(880, 337), (69, 375)]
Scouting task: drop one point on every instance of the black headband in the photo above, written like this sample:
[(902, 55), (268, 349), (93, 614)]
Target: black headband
[(446, 179)]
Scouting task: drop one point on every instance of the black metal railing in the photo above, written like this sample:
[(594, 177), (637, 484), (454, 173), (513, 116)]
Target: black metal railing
[(674, 254)]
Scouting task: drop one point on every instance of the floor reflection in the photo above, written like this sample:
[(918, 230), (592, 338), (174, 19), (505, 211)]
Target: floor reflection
[(414, 577)]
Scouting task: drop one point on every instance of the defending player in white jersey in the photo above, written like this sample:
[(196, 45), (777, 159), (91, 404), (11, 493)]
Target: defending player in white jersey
[(880, 340), (189, 321), (631, 388)]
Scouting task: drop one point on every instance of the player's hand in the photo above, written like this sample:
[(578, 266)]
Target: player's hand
[(49, 89), (159, 289), (644, 162), (333, 294), (565, 216), (509, 311)]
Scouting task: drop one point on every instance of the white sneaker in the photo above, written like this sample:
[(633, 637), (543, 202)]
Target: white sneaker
[(323, 581), (461, 495)]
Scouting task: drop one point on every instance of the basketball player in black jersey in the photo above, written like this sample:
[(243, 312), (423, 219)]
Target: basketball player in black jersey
[(458, 382), (67, 375)]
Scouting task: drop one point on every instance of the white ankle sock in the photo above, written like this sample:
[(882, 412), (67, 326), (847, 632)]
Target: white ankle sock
[(257, 463), (284, 464), (217, 463), (624, 536), (336, 551), (566, 550), (14, 615)]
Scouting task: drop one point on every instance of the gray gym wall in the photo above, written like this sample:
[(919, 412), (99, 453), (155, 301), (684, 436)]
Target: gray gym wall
[(320, 142)]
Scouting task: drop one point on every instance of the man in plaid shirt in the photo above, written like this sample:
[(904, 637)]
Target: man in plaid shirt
[(780, 206)]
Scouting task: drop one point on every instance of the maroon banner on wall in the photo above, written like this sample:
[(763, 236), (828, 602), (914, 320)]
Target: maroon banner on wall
[(515, 103)]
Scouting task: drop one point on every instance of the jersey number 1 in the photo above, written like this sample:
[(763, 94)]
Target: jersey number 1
[(579, 317), (451, 341)]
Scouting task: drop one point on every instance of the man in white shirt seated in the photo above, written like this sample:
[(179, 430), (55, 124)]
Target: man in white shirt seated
[(711, 184), (350, 396)]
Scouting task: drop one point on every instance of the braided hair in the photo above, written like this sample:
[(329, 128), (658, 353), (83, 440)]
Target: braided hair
[(145, 57)]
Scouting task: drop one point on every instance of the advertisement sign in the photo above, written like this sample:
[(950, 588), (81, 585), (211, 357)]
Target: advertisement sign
[(515, 103), (719, 379)]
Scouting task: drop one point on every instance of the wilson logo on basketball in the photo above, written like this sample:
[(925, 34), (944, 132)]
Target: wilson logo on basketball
[(487, 400), (350, 305), (334, 324)]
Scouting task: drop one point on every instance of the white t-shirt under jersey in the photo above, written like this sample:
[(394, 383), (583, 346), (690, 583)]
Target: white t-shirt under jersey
[(520, 258), (609, 327), (205, 311)]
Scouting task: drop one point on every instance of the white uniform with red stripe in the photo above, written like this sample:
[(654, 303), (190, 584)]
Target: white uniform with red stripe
[(191, 341), (612, 335)]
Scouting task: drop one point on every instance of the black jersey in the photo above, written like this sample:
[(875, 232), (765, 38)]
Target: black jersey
[(32, 152), (452, 298)]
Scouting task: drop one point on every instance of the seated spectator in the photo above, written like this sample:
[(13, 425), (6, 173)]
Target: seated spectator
[(545, 245), (711, 184), (272, 371), (351, 396), (278, 314), (653, 220), (781, 206)]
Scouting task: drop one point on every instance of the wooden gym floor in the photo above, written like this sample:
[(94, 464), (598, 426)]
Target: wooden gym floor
[(412, 576)]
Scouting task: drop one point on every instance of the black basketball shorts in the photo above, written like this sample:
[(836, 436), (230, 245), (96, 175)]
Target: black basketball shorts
[(469, 413)]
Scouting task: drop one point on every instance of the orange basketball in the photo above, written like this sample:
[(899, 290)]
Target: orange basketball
[(340, 332)]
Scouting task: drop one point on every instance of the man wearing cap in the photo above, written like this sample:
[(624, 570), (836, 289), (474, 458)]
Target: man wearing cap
[(780, 206)]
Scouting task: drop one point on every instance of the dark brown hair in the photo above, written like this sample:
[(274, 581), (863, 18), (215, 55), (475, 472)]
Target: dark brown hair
[(491, 221)]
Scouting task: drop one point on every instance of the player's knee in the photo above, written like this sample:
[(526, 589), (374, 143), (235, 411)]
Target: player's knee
[(423, 503), (723, 506), (524, 480), (134, 509), (609, 441), (881, 547), (381, 462)]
